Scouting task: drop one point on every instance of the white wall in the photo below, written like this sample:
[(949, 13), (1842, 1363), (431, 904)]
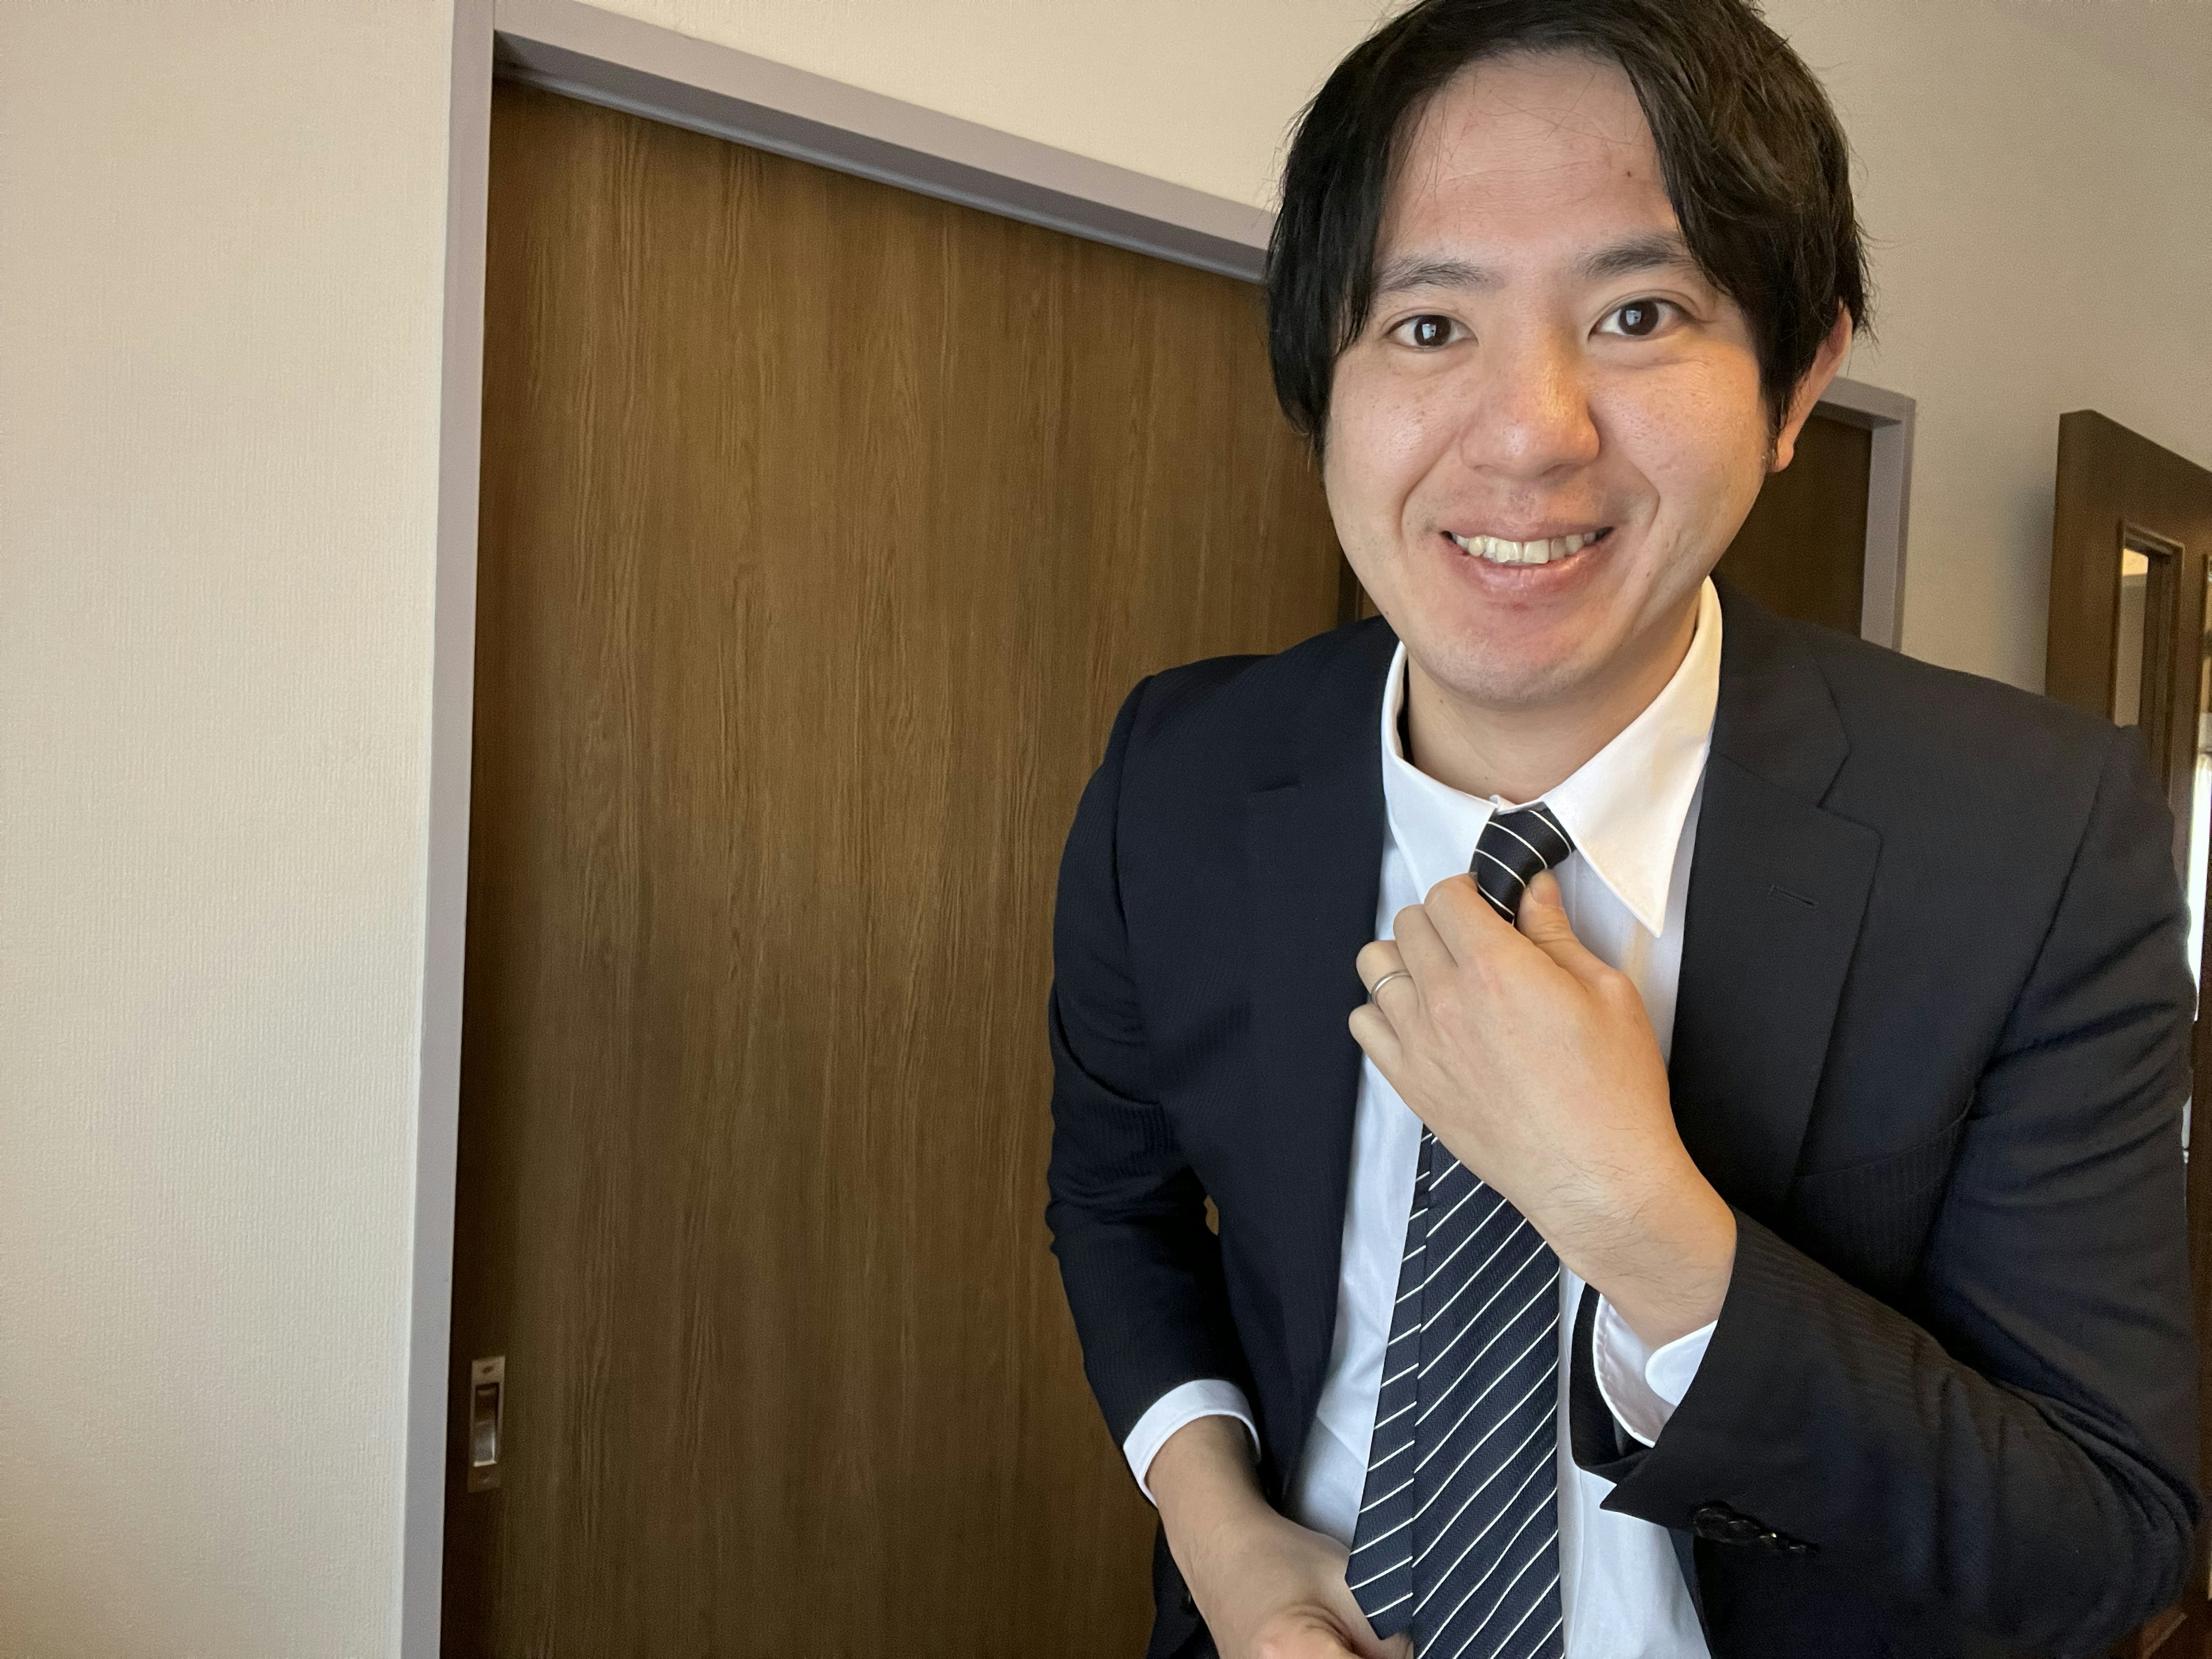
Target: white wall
[(220, 230), (220, 245), (2042, 227)]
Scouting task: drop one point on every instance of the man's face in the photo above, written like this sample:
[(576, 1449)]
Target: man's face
[(1544, 363)]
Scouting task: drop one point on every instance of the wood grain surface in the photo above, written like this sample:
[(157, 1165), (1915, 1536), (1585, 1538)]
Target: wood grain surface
[(824, 525), (2111, 481), (1801, 551)]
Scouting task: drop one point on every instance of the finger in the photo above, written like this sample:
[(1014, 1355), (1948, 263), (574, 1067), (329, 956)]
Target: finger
[(1395, 997), (1388, 983), (1544, 922), (1310, 1632), (1466, 921), (1376, 1037), (1400, 1646), (1383, 970), (1376, 959), (1427, 957)]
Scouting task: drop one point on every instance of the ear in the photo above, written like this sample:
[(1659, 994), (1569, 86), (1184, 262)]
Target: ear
[(1826, 364)]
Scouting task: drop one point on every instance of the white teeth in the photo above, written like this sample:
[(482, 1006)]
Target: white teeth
[(1498, 550)]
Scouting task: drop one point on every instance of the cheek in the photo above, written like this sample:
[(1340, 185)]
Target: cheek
[(1385, 434), (1702, 447)]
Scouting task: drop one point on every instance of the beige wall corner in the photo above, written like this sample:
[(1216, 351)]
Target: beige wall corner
[(1201, 96), (2040, 238), (221, 243)]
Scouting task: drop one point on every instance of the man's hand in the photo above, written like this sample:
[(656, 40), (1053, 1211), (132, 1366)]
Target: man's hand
[(1535, 1065), (1268, 1587)]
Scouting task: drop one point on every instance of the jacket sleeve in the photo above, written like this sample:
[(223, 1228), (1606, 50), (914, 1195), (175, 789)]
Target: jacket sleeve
[(1141, 1268), (2027, 1455)]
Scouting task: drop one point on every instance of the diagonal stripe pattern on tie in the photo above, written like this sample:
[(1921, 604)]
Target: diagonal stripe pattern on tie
[(1458, 1538)]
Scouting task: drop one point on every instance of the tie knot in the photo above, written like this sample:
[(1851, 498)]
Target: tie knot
[(1513, 848)]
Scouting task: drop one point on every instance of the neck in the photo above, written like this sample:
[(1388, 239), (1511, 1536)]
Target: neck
[(1518, 754)]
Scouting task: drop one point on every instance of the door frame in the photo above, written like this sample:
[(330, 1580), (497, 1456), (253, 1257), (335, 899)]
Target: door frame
[(1889, 416), (577, 49)]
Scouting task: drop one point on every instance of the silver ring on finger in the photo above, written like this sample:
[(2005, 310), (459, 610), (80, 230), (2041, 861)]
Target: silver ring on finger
[(1375, 991)]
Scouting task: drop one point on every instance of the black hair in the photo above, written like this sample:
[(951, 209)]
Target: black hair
[(1755, 162)]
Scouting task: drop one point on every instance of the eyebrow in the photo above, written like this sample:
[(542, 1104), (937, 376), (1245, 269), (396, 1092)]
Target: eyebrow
[(1662, 250), (1413, 270), (1665, 251)]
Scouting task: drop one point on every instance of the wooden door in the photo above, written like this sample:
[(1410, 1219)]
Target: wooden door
[(1801, 551), (2131, 526), (823, 527)]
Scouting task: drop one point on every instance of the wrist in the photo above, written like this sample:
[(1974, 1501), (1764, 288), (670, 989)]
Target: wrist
[(1207, 1491), (1666, 1272)]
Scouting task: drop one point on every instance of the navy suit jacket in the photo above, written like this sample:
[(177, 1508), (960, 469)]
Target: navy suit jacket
[(1931, 1044)]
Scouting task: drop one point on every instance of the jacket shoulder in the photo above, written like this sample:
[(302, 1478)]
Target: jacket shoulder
[(1237, 719), (1965, 730)]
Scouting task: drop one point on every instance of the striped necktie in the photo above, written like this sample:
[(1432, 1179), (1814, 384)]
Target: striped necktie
[(1458, 1532)]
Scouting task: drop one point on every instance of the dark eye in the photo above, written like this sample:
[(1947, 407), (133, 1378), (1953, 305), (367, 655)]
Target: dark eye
[(1426, 333), (1639, 318)]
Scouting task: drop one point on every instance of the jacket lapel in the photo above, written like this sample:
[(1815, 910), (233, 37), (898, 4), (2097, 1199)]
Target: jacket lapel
[(1778, 888), (1314, 854)]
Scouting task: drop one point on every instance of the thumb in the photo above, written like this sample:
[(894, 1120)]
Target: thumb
[(1543, 920), (1400, 1646), (1358, 1637), (1363, 1644)]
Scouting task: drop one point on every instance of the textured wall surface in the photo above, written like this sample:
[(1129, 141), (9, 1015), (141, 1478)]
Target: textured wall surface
[(220, 228), (2041, 216), (221, 236)]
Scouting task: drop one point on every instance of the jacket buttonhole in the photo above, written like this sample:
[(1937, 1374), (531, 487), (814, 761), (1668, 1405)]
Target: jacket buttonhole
[(1794, 898)]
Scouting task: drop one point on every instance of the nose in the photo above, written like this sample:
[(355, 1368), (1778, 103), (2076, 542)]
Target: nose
[(1531, 415)]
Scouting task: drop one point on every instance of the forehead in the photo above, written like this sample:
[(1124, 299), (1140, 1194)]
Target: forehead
[(1527, 152)]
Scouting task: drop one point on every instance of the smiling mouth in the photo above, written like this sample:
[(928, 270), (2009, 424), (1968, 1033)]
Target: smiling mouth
[(1496, 550)]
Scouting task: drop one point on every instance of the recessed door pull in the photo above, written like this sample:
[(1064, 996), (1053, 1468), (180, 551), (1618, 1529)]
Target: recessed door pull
[(487, 1402)]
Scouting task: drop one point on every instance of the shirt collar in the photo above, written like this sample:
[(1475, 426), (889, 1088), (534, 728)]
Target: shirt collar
[(1624, 806)]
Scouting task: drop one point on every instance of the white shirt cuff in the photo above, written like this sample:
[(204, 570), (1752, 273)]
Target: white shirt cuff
[(1641, 1387), (1207, 1397)]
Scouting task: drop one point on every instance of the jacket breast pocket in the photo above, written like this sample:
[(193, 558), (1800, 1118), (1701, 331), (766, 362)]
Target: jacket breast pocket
[(1868, 1222)]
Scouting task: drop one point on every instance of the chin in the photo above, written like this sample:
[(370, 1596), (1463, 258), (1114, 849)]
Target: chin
[(1504, 674)]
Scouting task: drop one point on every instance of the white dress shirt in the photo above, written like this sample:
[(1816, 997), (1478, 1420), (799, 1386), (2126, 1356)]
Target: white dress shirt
[(1632, 811)]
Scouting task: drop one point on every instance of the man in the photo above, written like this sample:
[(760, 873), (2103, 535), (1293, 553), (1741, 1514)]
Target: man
[(1691, 1100)]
